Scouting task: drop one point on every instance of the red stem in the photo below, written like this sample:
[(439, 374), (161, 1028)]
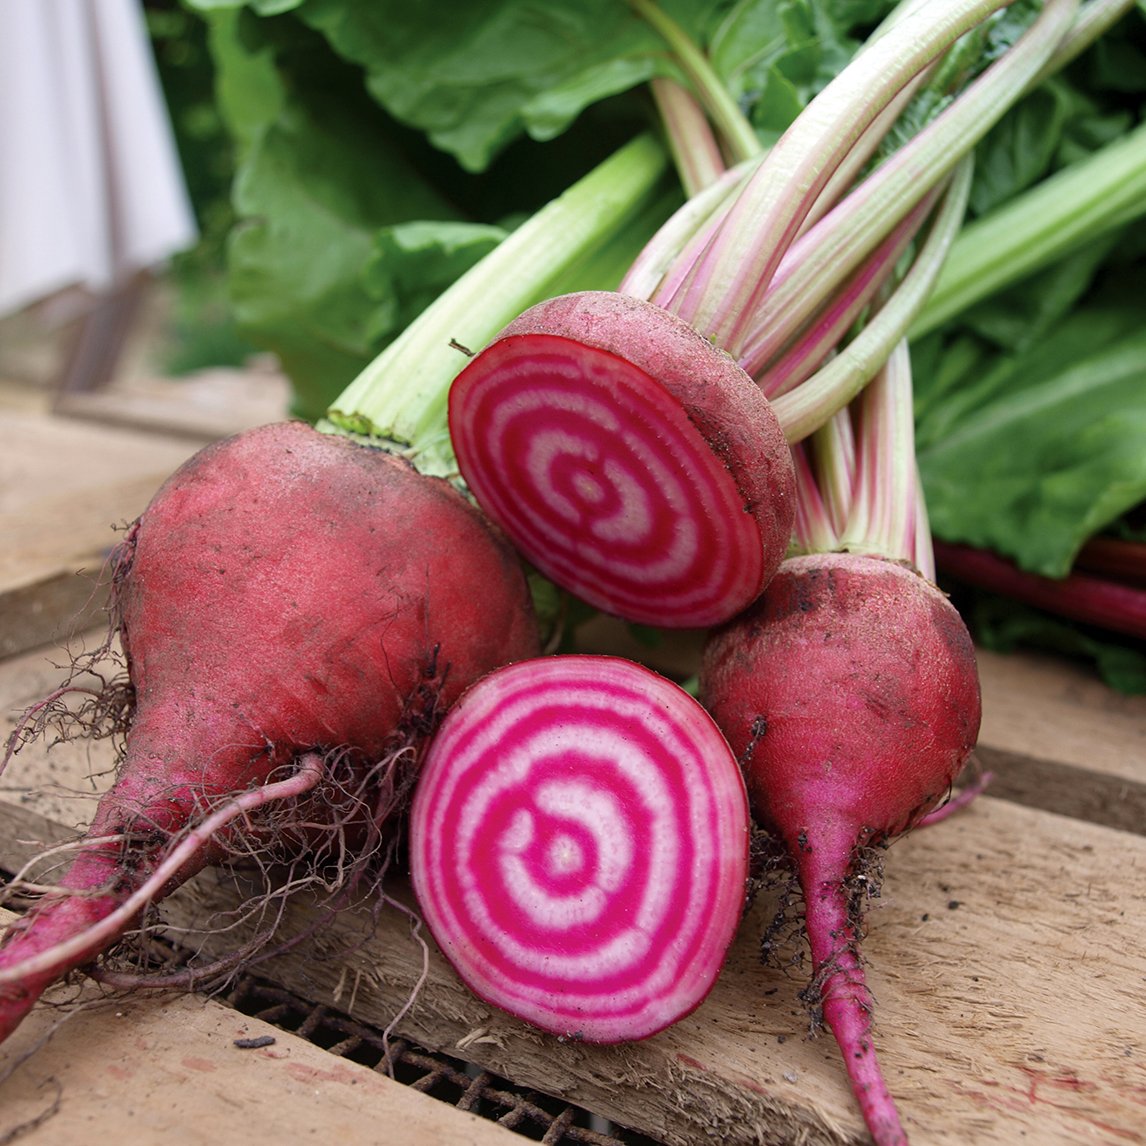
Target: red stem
[(1079, 596), (695, 151), (812, 530), (1125, 560)]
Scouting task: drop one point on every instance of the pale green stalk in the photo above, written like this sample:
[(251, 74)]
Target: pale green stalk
[(400, 399), (857, 159), (1040, 226), (779, 368), (697, 216), (1094, 18), (924, 557), (816, 399)]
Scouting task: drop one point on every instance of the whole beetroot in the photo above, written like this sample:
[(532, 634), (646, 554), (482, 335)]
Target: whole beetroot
[(290, 604), (850, 695)]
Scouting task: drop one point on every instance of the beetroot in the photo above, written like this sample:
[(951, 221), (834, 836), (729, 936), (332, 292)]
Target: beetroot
[(629, 459), (850, 695), (579, 846), (296, 609)]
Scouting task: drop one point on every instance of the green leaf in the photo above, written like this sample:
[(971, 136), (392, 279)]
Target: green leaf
[(1045, 447), (248, 88), (260, 7), (548, 113), (775, 56), (495, 68), (1015, 319), (311, 200), (412, 263), (1118, 62), (339, 241), (1020, 148)]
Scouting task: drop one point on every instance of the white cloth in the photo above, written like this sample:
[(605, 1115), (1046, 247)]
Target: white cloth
[(90, 182)]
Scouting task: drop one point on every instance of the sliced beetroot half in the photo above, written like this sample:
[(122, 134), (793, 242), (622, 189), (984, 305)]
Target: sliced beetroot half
[(629, 460), (579, 846)]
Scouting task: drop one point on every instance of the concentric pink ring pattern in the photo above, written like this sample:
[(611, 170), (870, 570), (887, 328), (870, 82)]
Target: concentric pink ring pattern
[(601, 480), (579, 846)]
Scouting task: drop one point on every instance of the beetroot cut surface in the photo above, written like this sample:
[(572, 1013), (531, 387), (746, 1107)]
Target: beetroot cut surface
[(579, 846), (629, 460)]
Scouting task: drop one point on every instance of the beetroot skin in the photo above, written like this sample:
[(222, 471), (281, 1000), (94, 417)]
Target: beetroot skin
[(861, 670), (850, 695), (286, 594)]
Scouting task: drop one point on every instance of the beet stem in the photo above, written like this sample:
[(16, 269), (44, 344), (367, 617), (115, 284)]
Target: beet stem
[(1078, 596)]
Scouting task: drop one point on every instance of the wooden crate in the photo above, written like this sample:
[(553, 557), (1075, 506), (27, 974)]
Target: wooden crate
[(1006, 952)]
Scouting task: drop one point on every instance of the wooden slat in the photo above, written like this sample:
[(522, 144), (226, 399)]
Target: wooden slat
[(58, 458), (66, 492), (1005, 957), (1056, 738), (151, 1070), (209, 404)]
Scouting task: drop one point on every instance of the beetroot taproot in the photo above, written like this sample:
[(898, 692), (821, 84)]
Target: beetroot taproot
[(850, 695), (288, 600), (629, 459)]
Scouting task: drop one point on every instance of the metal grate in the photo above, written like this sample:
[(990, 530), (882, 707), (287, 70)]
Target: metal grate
[(538, 1117)]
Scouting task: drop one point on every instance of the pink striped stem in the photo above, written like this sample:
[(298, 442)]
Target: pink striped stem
[(883, 513), (779, 369), (813, 531), (726, 287), (694, 149)]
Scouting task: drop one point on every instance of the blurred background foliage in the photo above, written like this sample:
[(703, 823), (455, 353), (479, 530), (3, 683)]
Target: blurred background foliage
[(202, 331)]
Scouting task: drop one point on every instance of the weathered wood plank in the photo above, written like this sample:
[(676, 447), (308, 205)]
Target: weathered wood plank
[(1005, 957), (167, 1070), (1056, 738), (58, 458), (66, 492), (210, 403)]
